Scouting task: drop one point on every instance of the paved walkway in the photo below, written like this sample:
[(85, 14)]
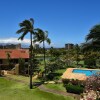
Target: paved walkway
[(45, 89)]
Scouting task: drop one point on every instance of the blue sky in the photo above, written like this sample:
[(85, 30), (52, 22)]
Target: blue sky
[(67, 21)]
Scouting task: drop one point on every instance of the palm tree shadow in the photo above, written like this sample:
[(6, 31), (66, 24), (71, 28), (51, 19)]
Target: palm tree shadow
[(37, 84)]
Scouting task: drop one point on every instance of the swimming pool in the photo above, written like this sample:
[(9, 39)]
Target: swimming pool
[(86, 72)]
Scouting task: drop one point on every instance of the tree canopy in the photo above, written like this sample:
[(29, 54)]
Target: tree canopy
[(92, 39)]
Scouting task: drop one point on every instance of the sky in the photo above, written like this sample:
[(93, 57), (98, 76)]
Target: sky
[(67, 21)]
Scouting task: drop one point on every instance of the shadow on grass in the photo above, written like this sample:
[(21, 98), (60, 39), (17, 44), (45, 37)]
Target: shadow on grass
[(37, 84)]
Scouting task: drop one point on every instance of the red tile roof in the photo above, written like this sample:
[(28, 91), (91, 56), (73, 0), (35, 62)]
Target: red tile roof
[(14, 53)]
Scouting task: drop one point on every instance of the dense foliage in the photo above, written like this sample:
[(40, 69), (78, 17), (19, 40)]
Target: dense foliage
[(93, 39), (77, 89), (73, 86)]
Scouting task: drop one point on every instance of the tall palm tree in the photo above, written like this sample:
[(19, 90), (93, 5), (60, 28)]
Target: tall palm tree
[(93, 39), (27, 27), (42, 36)]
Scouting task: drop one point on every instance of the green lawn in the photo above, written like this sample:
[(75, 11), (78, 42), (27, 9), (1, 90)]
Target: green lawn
[(22, 78), (19, 77), (11, 90), (58, 87), (61, 71)]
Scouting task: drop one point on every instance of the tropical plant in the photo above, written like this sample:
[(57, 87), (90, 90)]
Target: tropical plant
[(42, 36), (27, 27), (93, 84), (93, 39)]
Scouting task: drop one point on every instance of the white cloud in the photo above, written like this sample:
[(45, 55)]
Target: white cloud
[(25, 41), (14, 41)]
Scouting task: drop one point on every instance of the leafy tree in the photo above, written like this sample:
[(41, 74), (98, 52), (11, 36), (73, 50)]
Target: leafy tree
[(90, 58), (42, 36), (77, 52), (68, 57), (53, 65), (27, 26), (51, 50), (54, 52)]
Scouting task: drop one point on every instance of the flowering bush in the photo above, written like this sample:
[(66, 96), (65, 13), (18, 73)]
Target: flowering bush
[(93, 83), (92, 88)]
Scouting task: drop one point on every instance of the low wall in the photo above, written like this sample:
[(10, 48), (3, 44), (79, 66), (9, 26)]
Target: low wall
[(14, 71)]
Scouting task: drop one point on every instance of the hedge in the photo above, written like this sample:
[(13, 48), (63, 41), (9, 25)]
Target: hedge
[(77, 89)]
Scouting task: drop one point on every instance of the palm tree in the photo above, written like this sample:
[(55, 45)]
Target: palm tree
[(27, 27), (42, 36), (93, 39)]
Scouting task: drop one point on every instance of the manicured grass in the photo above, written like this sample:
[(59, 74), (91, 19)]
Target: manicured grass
[(22, 78), (58, 87), (61, 71), (11, 90), (19, 77)]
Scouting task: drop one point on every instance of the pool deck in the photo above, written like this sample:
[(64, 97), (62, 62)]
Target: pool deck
[(69, 75)]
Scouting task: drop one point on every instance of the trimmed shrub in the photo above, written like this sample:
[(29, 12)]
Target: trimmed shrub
[(77, 89)]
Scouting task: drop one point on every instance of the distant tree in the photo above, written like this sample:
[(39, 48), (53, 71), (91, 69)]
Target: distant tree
[(54, 52), (27, 26), (77, 52), (51, 50), (68, 57), (53, 65)]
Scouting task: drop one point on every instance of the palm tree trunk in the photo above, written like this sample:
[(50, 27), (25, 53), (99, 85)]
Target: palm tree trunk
[(44, 60), (31, 62)]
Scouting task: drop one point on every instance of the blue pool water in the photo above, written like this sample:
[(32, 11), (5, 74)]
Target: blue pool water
[(86, 72)]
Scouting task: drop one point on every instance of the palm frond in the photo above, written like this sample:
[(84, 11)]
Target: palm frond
[(21, 30), (26, 24), (48, 40), (22, 36), (94, 33), (41, 36), (32, 20), (34, 41), (25, 27), (46, 34), (88, 46)]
